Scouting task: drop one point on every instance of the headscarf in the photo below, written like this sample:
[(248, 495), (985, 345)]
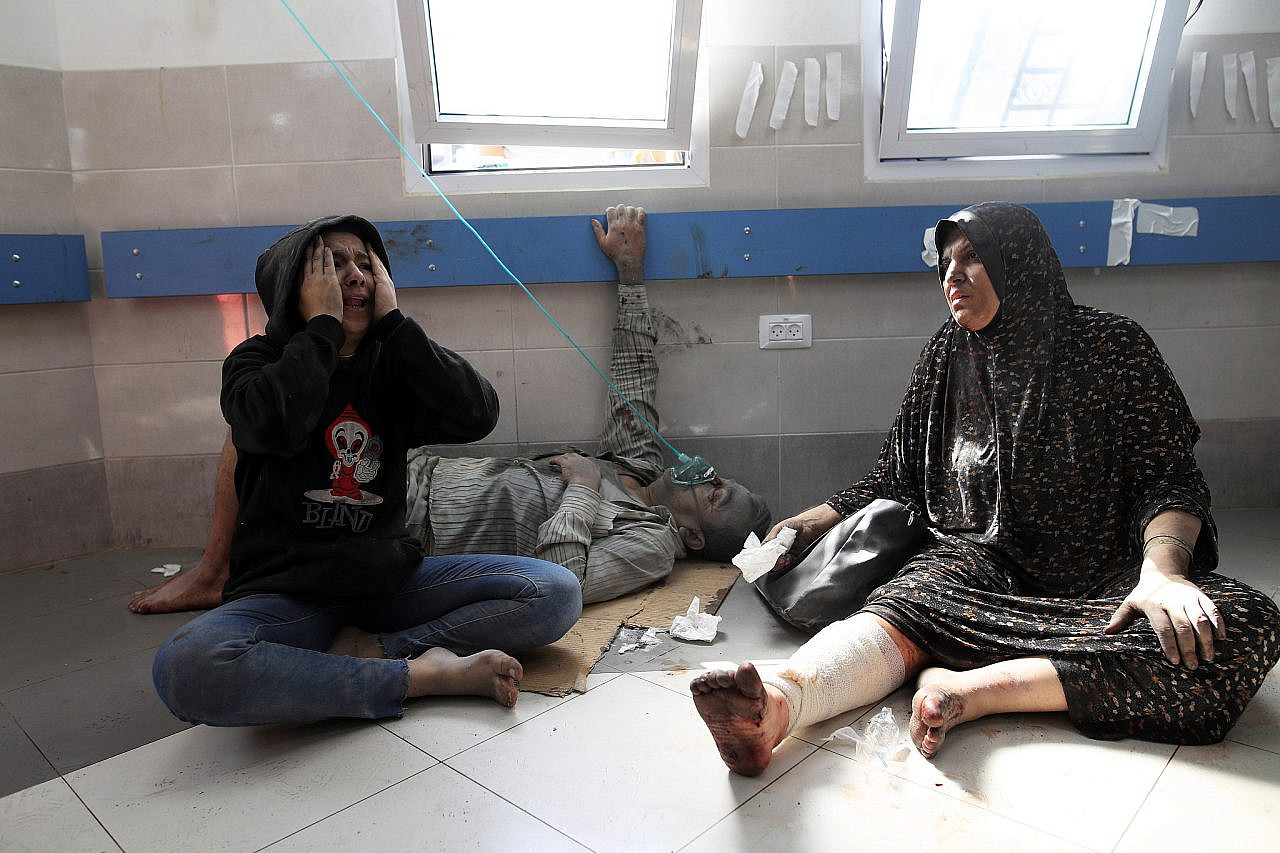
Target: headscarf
[(1052, 436), (279, 271), (998, 378)]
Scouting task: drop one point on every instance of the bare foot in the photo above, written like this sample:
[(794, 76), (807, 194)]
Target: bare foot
[(935, 710), (198, 588), (746, 717), (439, 672), (353, 642)]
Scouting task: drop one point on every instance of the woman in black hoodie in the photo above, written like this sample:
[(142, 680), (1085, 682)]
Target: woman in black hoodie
[(330, 611)]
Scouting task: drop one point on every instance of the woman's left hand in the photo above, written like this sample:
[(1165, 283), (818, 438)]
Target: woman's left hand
[(1185, 620), (384, 290)]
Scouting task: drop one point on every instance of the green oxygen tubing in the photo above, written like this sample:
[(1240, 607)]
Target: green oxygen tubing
[(689, 470)]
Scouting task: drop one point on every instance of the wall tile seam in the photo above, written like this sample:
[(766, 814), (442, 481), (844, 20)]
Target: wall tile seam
[(1268, 419), (152, 364), (287, 163), (111, 460), (62, 368), (1232, 328), (232, 64), (191, 168), (231, 146), (37, 171), (1261, 127), (93, 460)]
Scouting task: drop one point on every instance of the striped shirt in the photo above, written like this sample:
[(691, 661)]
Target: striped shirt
[(522, 506)]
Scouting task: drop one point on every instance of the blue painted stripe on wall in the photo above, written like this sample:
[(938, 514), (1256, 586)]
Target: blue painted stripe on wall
[(681, 246), (43, 268)]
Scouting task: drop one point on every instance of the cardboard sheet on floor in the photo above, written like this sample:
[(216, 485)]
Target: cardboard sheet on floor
[(562, 668)]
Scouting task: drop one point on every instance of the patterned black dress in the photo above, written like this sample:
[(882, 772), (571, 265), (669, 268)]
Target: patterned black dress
[(1039, 448)]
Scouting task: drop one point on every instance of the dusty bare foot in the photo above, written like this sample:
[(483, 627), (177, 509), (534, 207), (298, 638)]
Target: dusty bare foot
[(353, 642), (935, 709), (439, 672), (198, 588), (746, 718)]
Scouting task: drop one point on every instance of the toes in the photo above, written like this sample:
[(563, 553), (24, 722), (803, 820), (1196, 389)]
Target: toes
[(931, 711), (710, 681), (748, 681)]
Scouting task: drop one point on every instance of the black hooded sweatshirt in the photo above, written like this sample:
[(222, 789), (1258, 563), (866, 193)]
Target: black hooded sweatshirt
[(321, 439)]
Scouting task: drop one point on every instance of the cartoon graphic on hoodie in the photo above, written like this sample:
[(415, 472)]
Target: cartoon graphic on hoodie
[(357, 455)]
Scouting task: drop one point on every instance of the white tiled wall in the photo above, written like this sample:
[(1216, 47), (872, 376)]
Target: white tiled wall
[(200, 114)]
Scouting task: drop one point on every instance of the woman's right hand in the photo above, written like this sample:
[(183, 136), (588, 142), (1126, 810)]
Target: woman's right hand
[(809, 526), (319, 292)]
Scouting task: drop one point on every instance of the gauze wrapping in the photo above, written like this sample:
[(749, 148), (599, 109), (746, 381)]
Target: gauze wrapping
[(847, 664)]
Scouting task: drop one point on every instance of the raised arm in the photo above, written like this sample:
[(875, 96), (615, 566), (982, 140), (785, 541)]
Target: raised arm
[(633, 366), (273, 398), (441, 396)]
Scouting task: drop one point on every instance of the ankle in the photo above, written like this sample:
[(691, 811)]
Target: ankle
[(777, 715)]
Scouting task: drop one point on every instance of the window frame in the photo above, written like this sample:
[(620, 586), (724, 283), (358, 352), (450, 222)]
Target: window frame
[(425, 124), (1017, 163)]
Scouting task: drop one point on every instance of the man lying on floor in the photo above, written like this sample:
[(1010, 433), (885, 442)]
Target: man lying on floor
[(617, 521)]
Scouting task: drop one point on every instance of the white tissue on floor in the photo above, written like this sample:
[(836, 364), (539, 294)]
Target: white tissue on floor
[(694, 625), (168, 569), (755, 559), (880, 742), (643, 641)]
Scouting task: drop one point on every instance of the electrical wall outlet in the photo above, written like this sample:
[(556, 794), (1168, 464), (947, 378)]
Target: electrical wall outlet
[(786, 331)]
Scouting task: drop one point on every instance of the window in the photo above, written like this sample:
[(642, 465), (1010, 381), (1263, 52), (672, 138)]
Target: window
[(1012, 78), (501, 85)]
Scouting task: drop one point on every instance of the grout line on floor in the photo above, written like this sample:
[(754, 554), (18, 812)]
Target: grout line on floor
[(520, 808), (91, 812), (482, 740), (743, 804), (1145, 797), (348, 806)]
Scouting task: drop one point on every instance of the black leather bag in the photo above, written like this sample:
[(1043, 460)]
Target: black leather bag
[(835, 575)]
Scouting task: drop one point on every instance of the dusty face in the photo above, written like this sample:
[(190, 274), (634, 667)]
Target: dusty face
[(719, 501), (966, 285), (355, 276)]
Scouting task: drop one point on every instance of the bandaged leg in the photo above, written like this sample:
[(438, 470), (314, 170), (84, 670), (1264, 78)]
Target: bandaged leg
[(847, 664)]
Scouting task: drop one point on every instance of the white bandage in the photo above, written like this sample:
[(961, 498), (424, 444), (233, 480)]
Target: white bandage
[(847, 664)]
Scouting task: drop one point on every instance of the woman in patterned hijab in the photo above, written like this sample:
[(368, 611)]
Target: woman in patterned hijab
[(1071, 556)]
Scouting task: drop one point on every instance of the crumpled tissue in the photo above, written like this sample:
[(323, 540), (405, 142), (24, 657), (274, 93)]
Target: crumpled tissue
[(168, 569), (643, 641), (755, 559), (694, 625), (880, 742)]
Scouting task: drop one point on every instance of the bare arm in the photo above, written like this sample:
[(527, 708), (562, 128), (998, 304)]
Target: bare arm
[(1184, 618), (633, 365)]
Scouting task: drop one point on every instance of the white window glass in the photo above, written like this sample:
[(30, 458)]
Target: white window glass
[(579, 60), (560, 72), (1013, 77)]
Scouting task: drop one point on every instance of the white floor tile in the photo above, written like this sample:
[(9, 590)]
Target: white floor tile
[(49, 817), (239, 789), (1256, 522), (1221, 797), (443, 727), (829, 802), (1259, 725), (1038, 770), (1254, 560), (438, 809), (626, 766)]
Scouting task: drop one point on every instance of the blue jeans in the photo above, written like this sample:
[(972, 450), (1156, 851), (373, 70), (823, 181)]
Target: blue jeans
[(264, 659)]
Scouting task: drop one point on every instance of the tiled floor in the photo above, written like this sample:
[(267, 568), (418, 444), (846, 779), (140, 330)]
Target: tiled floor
[(90, 760)]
